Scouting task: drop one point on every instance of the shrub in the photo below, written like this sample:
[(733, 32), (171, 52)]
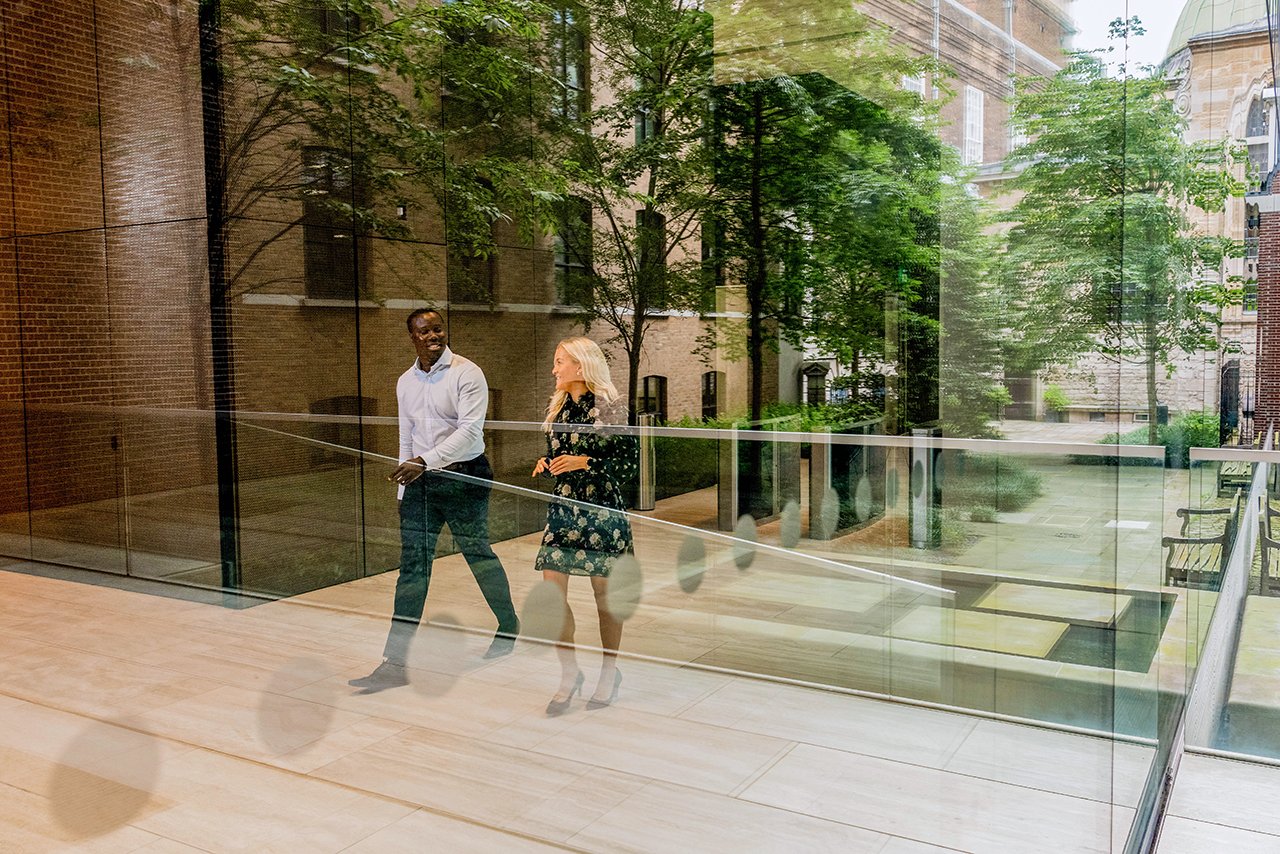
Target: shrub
[(1194, 430), (982, 513), (1055, 400), (987, 480)]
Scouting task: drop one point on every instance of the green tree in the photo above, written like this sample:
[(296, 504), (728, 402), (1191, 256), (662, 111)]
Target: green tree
[(1103, 251), (795, 130), (356, 112), (638, 161)]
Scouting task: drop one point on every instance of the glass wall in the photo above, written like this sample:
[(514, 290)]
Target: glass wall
[(913, 311)]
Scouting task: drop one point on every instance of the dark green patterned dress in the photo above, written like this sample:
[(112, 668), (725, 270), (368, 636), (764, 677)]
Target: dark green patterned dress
[(586, 529)]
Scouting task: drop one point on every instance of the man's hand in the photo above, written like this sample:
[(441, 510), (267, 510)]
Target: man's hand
[(568, 462), (408, 471)]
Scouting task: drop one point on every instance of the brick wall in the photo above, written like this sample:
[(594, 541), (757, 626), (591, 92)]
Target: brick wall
[(104, 266), (1268, 340)]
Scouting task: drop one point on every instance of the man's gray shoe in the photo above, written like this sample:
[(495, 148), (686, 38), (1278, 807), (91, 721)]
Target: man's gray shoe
[(385, 675), (503, 644)]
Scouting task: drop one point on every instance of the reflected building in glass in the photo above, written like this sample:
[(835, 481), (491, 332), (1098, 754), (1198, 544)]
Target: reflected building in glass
[(837, 256)]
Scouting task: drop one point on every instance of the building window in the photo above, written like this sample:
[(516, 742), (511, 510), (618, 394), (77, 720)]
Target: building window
[(342, 430), (1097, 416), (1252, 231), (572, 245), (973, 125), (1251, 296), (470, 277), (913, 83), (816, 391), (711, 383), (651, 255), (333, 260), (569, 64), (712, 264), (653, 397), (1258, 138)]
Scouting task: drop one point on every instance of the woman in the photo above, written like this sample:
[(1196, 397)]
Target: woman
[(587, 530)]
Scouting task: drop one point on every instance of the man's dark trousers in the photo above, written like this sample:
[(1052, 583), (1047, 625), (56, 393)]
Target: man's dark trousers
[(428, 503)]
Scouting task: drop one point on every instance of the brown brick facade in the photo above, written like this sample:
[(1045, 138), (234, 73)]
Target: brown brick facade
[(1268, 336)]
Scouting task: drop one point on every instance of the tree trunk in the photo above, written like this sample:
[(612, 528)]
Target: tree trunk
[(757, 265), (1152, 409), (633, 381)]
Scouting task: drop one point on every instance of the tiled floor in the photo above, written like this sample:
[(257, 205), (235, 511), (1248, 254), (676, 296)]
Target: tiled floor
[(131, 722)]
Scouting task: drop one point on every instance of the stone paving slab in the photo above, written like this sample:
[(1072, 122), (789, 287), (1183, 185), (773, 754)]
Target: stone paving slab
[(1082, 607), (979, 630)]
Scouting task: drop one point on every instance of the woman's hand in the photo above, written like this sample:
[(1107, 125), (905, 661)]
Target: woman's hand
[(566, 463), (539, 467)]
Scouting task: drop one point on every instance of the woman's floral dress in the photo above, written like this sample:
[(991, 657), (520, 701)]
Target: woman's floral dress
[(587, 538)]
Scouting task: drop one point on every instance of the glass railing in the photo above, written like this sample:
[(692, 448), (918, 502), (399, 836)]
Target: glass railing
[(1017, 581)]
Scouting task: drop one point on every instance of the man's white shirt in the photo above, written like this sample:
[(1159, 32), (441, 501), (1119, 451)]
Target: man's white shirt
[(442, 411)]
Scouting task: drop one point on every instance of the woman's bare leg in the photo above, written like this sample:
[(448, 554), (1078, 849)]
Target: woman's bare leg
[(564, 649), (610, 639)]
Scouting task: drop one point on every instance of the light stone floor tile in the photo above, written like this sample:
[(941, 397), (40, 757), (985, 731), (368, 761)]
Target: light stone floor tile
[(229, 805), (422, 829), (1226, 792), (663, 817), (575, 807), (978, 630), (945, 809), (94, 685), (262, 726), (29, 824), (841, 721), (472, 741), (168, 846), (898, 845), (1095, 768), (1085, 607), (1185, 836), (466, 777), (674, 750), (463, 707)]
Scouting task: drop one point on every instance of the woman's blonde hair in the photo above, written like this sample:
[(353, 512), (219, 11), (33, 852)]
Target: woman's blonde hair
[(595, 373)]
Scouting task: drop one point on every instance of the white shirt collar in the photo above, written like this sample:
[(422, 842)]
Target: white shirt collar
[(443, 362)]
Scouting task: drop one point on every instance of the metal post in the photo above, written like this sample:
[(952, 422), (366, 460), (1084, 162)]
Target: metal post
[(647, 489)]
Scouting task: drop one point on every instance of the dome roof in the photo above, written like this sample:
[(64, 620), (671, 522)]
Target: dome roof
[(1201, 17)]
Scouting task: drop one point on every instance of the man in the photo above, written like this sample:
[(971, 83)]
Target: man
[(443, 476)]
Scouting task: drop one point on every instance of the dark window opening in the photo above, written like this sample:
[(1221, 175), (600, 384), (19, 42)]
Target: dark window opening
[(653, 397), (343, 429), (470, 277), (334, 260), (711, 388), (572, 245), (569, 64), (651, 252)]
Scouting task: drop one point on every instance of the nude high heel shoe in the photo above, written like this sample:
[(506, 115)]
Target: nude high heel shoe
[(558, 707)]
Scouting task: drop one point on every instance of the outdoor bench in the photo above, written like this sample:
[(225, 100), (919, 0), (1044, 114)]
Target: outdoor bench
[(1198, 562)]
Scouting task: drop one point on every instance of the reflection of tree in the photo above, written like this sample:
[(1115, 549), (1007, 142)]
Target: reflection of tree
[(1103, 251), (338, 112), (822, 178), (639, 161)]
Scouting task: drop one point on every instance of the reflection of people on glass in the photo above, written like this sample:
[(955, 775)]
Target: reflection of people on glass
[(588, 533), (442, 400)]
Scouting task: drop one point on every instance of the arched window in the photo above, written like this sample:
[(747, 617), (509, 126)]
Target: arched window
[(1257, 123), (1257, 136)]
